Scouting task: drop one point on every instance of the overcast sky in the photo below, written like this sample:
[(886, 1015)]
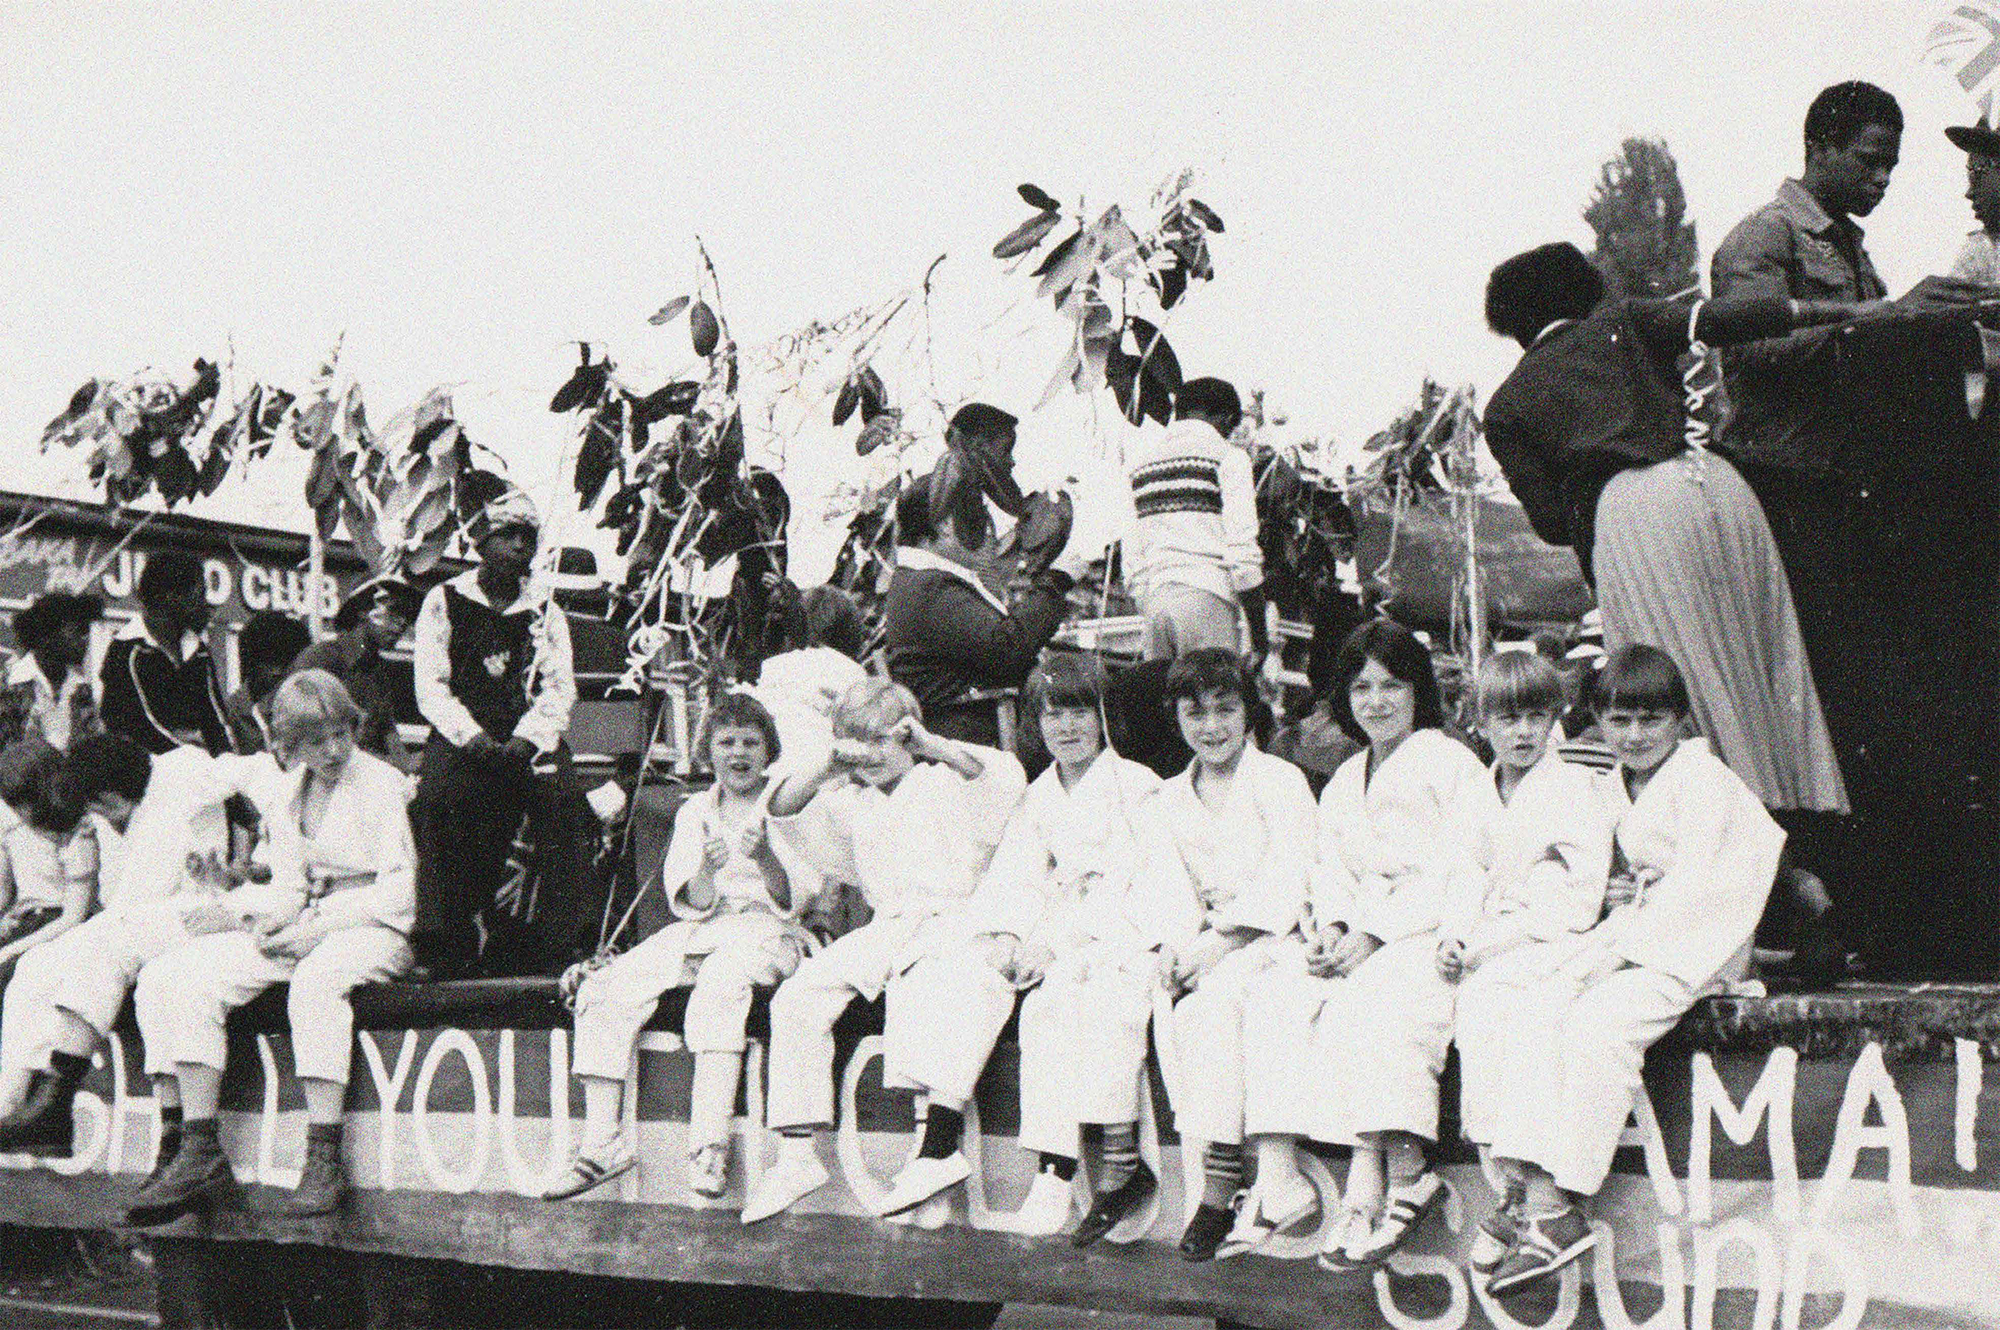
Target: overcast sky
[(464, 190)]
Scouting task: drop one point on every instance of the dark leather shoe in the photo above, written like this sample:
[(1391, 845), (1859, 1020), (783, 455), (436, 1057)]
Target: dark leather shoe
[(1205, 1232), (1110, 1208), (321, 1184), (198, 1176), (170, 1148), (44, 1124)]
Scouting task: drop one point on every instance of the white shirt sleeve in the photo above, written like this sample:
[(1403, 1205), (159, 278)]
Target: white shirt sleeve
[(1241, 554), (555, 682), (431, 663)]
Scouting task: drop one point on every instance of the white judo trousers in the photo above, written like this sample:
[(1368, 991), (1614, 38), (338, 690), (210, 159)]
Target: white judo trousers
[(1206, 1081), (1576, 1051), (87, 972), (1082, 1037), (805, 1007), (1334, 1058), (184, 997), (614, 1003)]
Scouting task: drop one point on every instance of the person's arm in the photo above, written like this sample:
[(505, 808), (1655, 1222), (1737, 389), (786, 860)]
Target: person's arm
[(124, 680), (996, 649), (8, 889), (1755, 260), (391, 899), (555, 683), (80, 864), (1243, 557), (1522, 459), (688, 870), (214, 722), (431, 667), (1732, 320)]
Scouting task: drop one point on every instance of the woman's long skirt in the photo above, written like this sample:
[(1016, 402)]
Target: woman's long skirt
[(1685, 562)]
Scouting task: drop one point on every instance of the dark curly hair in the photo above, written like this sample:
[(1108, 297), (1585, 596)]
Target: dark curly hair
[(1842, 111), (46, 615), (1530, 291)]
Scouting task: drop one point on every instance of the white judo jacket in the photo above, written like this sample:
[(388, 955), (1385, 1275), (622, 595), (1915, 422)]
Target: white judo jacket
[(1249, 860), (1400, 853), (1547, 852), (1716, 849)]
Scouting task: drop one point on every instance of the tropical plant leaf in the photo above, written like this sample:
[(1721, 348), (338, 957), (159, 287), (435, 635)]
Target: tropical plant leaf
[(174, 474), (874, 393), (676, 399), (879, 431), (1170, 282), (1027, 235), (327, 517), (844, 403), (1204, 214), (704, 328), (1038, 197), (670, 311), (597, 455), (584, 388), (323, 478), (1058, 254)]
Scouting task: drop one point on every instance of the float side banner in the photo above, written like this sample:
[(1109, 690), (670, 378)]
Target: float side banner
[(1753, 1189)]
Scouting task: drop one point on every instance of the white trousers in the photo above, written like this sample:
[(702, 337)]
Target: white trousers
[(1205, 1082), (1083, 1046), (1489, 1024), (1381, 1062), (1584, 1047), (614, 1003), (87, 972), (185, 995), (806, 1006), (945, 1015), (1290, 1021)]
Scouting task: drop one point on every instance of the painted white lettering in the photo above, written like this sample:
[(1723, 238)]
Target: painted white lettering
[(466, 1177), (256, 588), (1672, 1311), (525, 1178), (1458, 1310), (122, 579), (1853, 1281), (1643, 1130), (1770, 1098), (854, 1170), (217, 582), (267, 1171), (1708, 1245), (1971, 1080), (388, 1089), (1868, 1082)]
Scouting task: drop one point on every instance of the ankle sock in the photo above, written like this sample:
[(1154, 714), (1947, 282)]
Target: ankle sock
[(1121, 1153), (943, 1129), (1059, 1166), (1222, 1173)]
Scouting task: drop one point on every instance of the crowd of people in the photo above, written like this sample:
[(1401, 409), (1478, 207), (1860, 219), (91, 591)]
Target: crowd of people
[(1299, 964)]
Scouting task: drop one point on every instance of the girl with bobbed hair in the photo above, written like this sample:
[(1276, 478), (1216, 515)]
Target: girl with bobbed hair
[(1352, 1026), (1593, 434)]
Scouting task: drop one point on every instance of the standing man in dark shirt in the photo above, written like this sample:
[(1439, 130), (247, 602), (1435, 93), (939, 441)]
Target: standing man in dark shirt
[(1805, 245), (495, 680), (157, 682)]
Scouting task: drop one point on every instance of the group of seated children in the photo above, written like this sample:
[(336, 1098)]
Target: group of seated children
[(1301, 972)]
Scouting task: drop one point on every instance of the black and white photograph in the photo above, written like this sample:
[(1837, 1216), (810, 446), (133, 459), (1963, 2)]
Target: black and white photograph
[(1133, 666)]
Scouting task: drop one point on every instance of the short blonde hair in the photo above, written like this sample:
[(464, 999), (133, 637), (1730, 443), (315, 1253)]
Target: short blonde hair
[(871, 707), (311, 702), (1517, 681)]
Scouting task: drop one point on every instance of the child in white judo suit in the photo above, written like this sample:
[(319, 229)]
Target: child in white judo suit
[(801, 686), (1548, 852), (1242, 823), (336, 914), (48, 852), (65, 995), (1082, 894), (738, 893), (1350, 1051), (912, 820), (1698, 853)]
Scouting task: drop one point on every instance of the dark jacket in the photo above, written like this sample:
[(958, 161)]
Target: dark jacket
[(1601, 395), (159, 703), (945, 639)]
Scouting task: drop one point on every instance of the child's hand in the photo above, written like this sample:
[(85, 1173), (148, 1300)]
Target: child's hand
[(923, 745), (1203, 956), (715, 852), (1451, 960), (848, 754), (1351, 950), (753, 839)]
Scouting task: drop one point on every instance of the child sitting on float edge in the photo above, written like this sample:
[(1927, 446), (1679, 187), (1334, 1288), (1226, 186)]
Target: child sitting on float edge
[(48, 852), (1082, 893), (1350, 1052), (912, 820), (738, 894), (1242, 822), (1548, 850), (1700, 852)]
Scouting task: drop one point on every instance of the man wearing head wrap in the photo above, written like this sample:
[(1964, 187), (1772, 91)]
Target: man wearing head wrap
[(494, 680)]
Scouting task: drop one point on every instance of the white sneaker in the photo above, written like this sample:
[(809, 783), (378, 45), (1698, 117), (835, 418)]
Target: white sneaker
[(1267, 1211), (796, 1175), (1046, 1210), (922, 1179)]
